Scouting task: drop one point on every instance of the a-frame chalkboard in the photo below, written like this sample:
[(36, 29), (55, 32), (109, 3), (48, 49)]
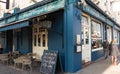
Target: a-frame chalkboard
[(49, 61)]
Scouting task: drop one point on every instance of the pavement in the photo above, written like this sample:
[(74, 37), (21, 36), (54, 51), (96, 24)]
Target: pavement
[(101, 66), (10, 69)]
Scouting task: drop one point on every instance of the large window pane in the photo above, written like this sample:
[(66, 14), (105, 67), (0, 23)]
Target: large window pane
[(109, 34), (96, 35), (96, 30), (84, 21), (116, 36), (96, 43)]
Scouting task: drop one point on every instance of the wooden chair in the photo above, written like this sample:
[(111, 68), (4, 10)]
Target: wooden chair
[(18, 61), (27, 62), (4, 58), (12, 56)]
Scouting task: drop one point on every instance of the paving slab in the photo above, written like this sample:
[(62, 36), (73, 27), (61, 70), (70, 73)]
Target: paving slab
[(101, 66)]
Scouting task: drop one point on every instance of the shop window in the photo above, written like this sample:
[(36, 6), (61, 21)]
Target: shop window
[(96, 35), (109, 34), (84, 21), (96, 43), (116, 36)]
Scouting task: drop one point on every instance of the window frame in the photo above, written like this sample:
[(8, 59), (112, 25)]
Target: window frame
[(98, 38), (116, 32)]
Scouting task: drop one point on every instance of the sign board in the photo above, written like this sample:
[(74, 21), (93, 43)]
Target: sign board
[(49, 61), (97, 14), (42, 9), (94, 12)]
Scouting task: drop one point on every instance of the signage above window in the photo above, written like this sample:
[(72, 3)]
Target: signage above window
[(35, 10), (42, 22), (45, 24)]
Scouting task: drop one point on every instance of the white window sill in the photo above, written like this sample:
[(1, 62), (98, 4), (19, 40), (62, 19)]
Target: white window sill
[(93, 50)]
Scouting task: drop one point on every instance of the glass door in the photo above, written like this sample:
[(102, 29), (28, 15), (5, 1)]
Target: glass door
[(86, 49)]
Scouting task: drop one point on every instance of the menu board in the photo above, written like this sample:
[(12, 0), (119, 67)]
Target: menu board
[(49, 60)]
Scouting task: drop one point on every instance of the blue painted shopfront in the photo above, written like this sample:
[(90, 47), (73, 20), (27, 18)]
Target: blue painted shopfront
[(23, 40), (66, 24), (72, 27)]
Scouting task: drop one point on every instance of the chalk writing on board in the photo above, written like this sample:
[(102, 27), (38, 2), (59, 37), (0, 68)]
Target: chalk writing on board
[(49, 60)]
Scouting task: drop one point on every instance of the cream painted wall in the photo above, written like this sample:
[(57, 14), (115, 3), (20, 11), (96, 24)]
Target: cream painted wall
[(16, 3), (2, 7), (25, 3), (106, 6)]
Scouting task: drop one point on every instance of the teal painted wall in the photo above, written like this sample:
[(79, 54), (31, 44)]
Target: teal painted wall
[(23, 40), (55, 35), (72, 27), (15, 40), (8, 41), (97, 54), (3, 41), (71, 1)]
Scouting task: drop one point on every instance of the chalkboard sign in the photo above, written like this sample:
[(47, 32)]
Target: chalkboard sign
[(49, 61)]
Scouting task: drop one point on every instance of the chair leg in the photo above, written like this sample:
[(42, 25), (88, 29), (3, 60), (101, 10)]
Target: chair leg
[(30, 67), (15, 65), (23, 67)]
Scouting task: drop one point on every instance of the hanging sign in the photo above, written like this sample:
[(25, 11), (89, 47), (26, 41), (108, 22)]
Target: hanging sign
[(45, 24)]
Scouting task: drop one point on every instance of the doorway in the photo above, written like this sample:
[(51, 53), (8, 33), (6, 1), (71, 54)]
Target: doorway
[(40, 41), (9, 41), (86, 48)]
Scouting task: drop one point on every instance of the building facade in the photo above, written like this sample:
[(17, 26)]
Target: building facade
[(108, 6), (74, 28)]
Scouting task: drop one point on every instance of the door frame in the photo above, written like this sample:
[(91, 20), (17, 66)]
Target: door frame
[(89, 26), (39, 49)]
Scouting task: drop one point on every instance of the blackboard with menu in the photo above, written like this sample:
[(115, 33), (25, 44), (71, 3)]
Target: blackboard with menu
[(49, 61)]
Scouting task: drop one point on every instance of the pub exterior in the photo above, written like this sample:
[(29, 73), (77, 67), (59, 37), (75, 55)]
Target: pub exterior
[(74, 28)]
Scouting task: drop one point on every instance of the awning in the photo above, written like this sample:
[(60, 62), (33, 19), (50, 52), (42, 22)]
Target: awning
[(15, 26)]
